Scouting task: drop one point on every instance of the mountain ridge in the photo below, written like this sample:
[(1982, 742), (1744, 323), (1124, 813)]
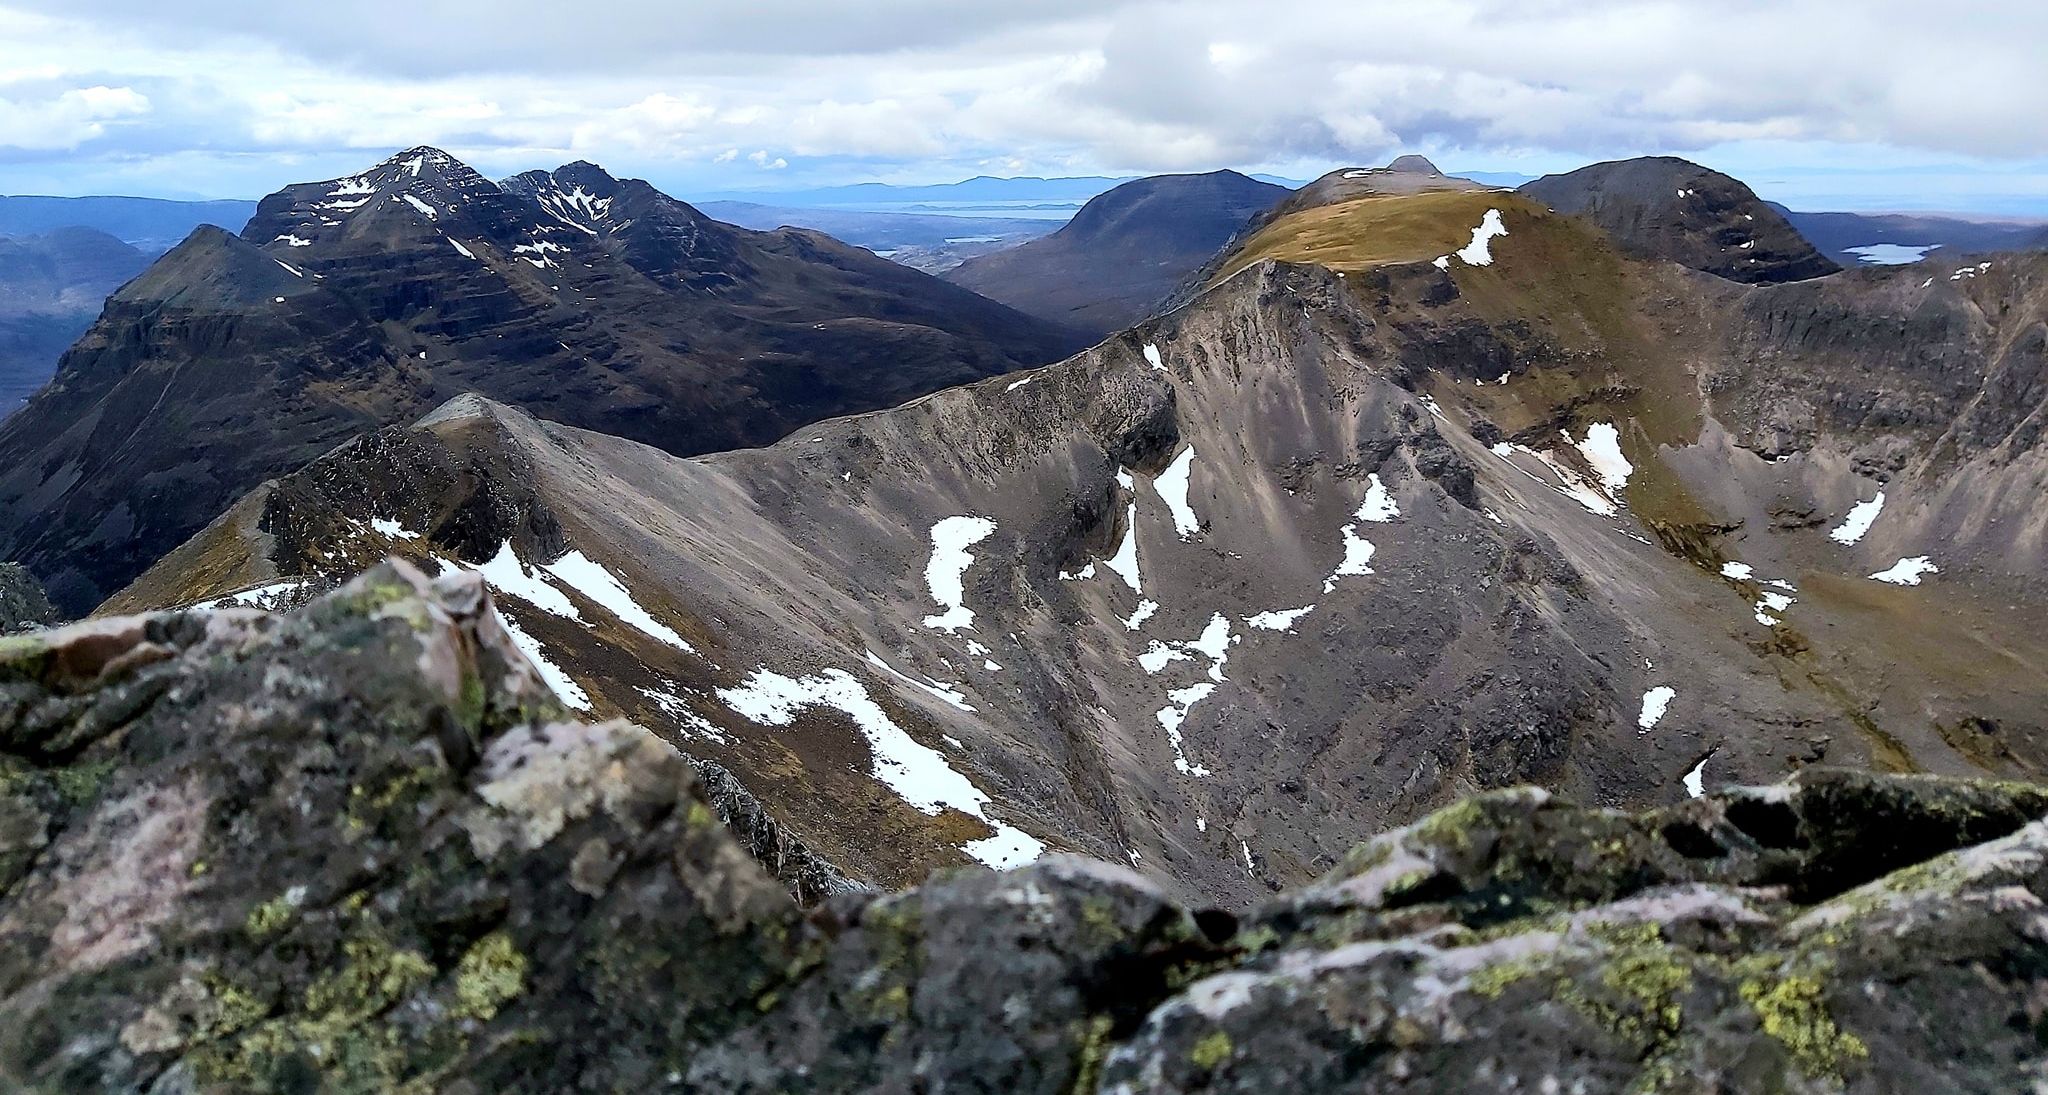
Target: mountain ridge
[(369, 299)]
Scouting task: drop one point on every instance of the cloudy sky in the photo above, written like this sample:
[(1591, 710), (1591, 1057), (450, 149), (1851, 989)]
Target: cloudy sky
[(1821, 103)]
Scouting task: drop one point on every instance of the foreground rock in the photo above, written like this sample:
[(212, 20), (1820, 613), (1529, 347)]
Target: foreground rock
[(357, 849)]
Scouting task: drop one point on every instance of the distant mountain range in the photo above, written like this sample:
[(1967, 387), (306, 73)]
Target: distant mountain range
[(1855, 239), (151, 224), (978, 190), (52, 286), (365, 301), (928, 242)]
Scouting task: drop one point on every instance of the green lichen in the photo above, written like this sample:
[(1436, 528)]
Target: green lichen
[(233, 1007), (1793, 1010), (23, 657), (1650, 980), (1452, 826), (490, 975), (336, 1035), (268, 918), (1100, 921), (471, 705), (374, 976), (1493, 980), (1211, 1051), (1095, 1044), (81, 783), (1406, 883)]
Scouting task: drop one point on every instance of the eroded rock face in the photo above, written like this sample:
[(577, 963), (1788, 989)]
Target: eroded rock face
[(23, 604), (358, 849)]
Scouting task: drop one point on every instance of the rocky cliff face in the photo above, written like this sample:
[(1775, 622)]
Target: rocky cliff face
[(23, 604), (360, 849), (367, 301)]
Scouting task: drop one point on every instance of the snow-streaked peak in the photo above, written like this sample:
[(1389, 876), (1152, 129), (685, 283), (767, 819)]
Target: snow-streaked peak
[(421, 182), (577, 194)]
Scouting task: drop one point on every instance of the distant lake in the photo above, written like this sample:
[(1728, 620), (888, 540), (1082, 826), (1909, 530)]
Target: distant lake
[(1890, 254), (1016, 210)]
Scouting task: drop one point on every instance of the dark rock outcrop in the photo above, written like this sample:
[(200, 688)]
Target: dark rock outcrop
[(358, 850), (1668, 208), (23, 604)]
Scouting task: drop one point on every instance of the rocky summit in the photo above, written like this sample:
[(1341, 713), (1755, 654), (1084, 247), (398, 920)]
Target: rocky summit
[(361, 848)]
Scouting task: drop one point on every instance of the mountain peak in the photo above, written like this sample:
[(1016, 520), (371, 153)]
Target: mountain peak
[(578, 194), (1671, 208), (1412, 164), (422, 182)]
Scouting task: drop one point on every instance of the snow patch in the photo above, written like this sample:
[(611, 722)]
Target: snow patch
[(1907, 572), (1479, 252), (917, 773), (1357, 553), (1602, 450), (508, 575), (1172, 486), (267, 597), (1279, 620), (1183, 700), (688, 723), (430, 211), (393, 529), (1146, 608), (1379, 505), (1861, 516), (589, 577), (1125, 562), (464, 251), (1158, 655), (564, 687), (1737, 571), (945, 694), (948, 566), (1655, 702), (1152, 355), (1695, 780)]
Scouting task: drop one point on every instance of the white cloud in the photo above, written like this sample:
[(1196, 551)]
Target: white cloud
[(931, 87), (67, 119)]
